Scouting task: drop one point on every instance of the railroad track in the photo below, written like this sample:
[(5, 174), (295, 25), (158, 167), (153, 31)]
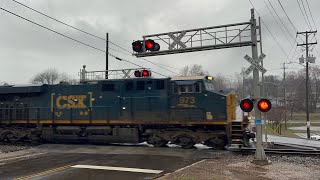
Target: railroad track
[(279, 151)]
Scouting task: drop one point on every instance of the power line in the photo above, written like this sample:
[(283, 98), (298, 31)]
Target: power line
[(52, 30), (303, 15), (281, 21), (294, 27), (121, 59), (277, 23), (311, 15), (156, 64), (306, 14), (58, 20), (72, 38), (269, 31), (92, 35)]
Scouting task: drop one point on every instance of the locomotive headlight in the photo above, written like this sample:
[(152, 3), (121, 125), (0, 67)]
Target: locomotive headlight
[(209, 78)]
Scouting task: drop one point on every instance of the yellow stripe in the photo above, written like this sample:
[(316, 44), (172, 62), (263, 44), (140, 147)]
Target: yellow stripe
[(43, 173), (116, 122)]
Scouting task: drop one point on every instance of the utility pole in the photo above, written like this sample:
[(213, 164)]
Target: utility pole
[(260, 155), (107, 53), (284, 96), (306, 34)]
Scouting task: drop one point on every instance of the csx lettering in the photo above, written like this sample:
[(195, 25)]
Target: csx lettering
[(71, 101)]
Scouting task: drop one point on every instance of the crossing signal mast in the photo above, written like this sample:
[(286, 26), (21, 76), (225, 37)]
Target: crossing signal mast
[(210, 38)]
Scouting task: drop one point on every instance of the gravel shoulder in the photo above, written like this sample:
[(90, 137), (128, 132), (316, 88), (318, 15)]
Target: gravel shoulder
[(237, 167)]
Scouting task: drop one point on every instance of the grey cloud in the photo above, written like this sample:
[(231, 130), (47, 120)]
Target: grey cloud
[(26, 49)]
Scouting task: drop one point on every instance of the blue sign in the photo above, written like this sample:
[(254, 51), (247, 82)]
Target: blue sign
[(257, 121)]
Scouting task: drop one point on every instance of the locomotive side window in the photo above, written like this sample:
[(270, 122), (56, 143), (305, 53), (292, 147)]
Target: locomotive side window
[(140, 85), (129, 86), (183, 89), (189, 88), (186, 88), (107, 87)]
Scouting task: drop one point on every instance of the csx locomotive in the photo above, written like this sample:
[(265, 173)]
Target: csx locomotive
[(180, 110)]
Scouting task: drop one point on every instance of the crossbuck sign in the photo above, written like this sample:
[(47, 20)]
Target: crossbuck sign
[(255, 64)]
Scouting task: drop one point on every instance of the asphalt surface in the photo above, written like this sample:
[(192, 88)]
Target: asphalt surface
[(60, 161)]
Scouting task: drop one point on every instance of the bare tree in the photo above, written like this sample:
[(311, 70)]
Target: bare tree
[(52, 76), (193, 70), (220, 82)]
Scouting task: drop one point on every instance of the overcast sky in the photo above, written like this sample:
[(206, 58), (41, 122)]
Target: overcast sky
[(26, 49)]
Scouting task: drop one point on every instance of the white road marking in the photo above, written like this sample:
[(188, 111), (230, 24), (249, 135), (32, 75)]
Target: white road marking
[(118, 169), (19, 157)]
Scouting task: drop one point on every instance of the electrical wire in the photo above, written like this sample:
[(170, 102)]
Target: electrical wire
[(311, 16), (303, 15), (52, 30), (269, 31), (306, 13), (92, 35), (73, 39), (294, 27), (281, 21), (279, 25)]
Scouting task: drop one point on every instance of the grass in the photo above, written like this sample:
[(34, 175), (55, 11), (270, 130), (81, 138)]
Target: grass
[(302, 116), (288, 132), (284, 132)]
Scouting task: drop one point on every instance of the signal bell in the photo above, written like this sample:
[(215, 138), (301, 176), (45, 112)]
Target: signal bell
[(246, 105)]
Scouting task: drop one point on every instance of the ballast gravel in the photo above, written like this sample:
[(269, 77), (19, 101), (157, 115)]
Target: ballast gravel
[(239, 167), (6, 148)]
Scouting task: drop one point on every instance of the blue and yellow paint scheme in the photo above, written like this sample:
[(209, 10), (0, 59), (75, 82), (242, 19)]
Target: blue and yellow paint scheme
[(180, 100), (184, 110)]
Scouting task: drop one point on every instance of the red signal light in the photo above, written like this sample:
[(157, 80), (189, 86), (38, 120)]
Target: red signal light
[(137, 46), (146, 73), (264, 105), (246, 105), (137, 73), (149, 44)]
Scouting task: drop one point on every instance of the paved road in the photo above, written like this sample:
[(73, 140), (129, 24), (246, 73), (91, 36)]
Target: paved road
[(58, 161)]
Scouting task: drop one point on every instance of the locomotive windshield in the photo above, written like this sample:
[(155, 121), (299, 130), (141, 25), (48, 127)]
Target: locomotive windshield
[(209, 86)]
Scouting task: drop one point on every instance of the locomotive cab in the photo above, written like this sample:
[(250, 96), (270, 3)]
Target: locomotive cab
[(197, 93)]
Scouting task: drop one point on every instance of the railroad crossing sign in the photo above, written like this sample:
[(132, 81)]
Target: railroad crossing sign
[(177, 40), (255, 64)]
